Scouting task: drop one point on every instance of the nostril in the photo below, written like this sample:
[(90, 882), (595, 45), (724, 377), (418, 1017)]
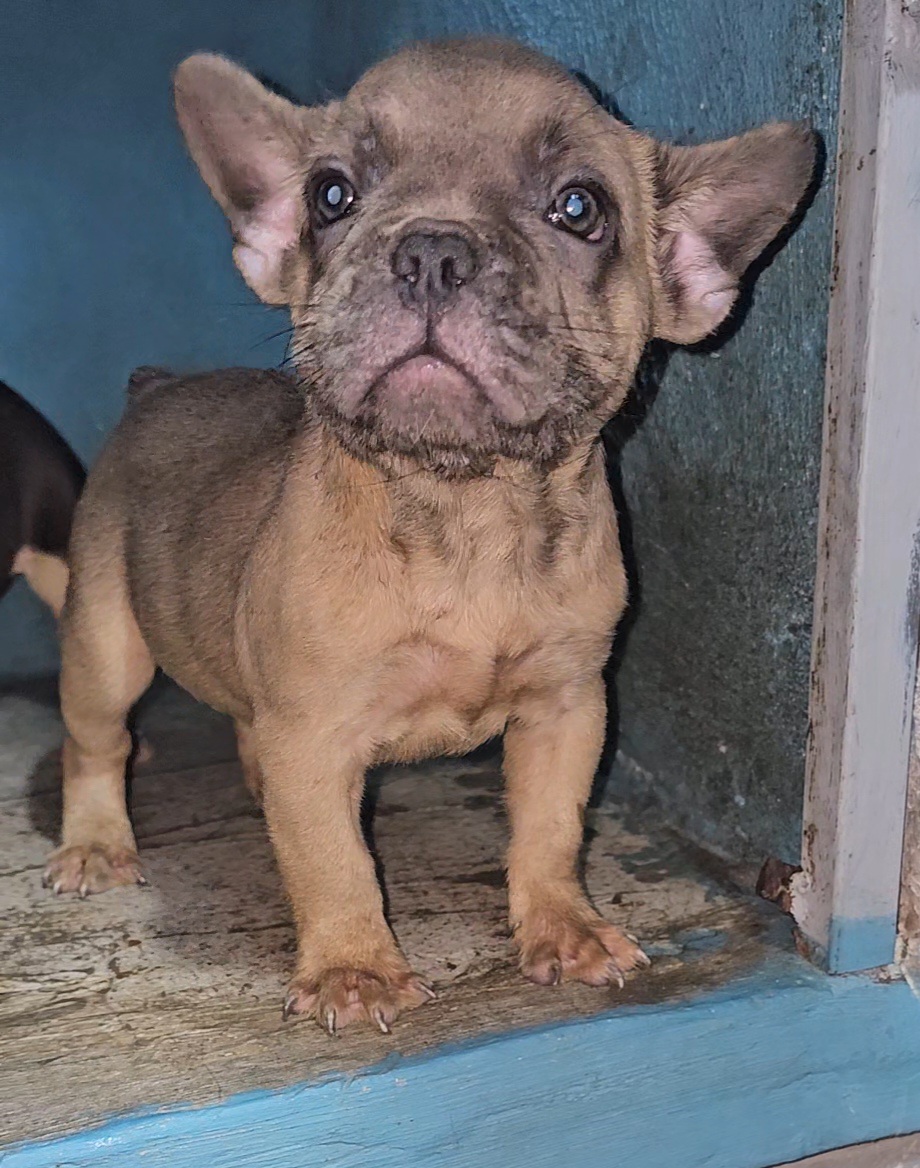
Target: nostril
[(460, 265), (449, 277), (407, 261), (406, 265)]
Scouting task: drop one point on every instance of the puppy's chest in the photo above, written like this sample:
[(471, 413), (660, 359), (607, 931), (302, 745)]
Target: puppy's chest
[(471, 644)]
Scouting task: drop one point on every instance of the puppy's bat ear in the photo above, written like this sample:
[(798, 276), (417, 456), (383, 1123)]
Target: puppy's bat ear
[(719, 206), (251, 147)]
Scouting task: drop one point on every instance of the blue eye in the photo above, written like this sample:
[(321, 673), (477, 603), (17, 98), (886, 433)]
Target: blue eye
[(577, 210), (333, 198), (575, 206)]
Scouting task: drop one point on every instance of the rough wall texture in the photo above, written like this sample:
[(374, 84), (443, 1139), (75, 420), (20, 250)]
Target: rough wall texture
[(113, 255), (721, 478)]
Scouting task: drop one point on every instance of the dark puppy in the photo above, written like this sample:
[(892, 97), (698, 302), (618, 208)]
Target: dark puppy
[(40, 481), (411, 547)]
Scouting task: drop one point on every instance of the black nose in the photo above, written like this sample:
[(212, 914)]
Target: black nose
[(433, 265)]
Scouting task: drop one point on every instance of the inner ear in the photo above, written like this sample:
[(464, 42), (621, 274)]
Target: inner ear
[(251, 147), (719, 206)]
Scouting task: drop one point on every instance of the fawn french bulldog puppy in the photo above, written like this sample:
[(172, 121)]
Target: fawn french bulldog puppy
[(409, 546)]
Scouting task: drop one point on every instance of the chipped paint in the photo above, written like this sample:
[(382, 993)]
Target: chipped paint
[(864, 662)]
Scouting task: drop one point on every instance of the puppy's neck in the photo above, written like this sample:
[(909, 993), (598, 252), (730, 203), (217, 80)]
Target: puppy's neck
[(401, 479)]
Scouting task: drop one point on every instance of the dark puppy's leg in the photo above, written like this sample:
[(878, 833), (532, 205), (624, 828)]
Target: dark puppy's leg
[(105, 667), (552, 748), (46, 575)]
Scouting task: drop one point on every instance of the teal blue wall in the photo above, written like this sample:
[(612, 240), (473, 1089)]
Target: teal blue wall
[(111, 252), (112, 255)]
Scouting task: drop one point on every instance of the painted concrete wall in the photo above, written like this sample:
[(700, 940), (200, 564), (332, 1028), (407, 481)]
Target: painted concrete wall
[(111, 252), (113, 255)]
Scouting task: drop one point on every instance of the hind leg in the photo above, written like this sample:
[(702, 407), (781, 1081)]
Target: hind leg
[(105, 667)]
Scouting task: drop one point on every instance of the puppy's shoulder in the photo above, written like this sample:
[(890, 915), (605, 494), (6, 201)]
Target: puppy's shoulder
[(232, 402)]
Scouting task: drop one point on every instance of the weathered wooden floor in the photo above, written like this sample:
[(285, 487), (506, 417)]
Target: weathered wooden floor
[(902, 1152), (171, 994)]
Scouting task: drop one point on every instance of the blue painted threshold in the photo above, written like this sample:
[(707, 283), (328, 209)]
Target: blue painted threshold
[(780, 1064), (861, 944)]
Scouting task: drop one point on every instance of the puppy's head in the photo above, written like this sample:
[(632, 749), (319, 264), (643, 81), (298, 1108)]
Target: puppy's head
[(473, 251)]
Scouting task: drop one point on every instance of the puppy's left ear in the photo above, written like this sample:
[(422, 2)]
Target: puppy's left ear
[(720, 204)]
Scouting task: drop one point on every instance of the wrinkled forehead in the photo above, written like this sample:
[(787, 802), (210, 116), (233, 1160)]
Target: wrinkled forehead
[(492, 110)]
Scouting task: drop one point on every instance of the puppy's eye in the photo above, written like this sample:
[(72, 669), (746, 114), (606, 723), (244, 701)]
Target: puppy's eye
[(577, 210), (333, 198)]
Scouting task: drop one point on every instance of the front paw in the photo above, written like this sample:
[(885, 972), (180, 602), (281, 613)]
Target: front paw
[(573, 943), (91, 868), (338, 995)]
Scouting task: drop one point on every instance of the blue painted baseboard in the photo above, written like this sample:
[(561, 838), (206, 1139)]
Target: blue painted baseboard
[(779, 1065), (861, 944)]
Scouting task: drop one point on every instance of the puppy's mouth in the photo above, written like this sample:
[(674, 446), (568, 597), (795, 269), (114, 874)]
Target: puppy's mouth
[(449, 403), (427, 373), (433, 394), (456, 389)]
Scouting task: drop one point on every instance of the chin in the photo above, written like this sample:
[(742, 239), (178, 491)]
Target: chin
[(432, 413)]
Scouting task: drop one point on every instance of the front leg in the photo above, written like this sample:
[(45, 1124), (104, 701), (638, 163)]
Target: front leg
[(349, 966), (552, 748)]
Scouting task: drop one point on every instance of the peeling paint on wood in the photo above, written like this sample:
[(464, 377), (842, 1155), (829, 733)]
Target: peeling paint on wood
[(909, 908), (866, 618)]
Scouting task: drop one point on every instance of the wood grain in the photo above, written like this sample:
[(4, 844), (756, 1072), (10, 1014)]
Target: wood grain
[(171, 994)]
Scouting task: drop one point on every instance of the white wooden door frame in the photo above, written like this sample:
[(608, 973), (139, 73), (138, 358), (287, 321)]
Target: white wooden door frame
[(864, 656)]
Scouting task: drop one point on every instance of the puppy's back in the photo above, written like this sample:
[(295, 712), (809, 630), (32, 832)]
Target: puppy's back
[(178, 497)]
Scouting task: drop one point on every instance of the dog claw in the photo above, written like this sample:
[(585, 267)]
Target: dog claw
[(85, 869), (342, 995), (619, 979), (428, 992)]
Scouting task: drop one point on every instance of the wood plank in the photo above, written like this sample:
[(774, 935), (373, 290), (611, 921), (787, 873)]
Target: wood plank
[(170, 995), (785, 1063), (866, 608), (903, 1152)]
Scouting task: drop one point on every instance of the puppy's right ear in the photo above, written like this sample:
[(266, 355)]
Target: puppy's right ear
[(251, 148)]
